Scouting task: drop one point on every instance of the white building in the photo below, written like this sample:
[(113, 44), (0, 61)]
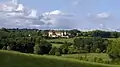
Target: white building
[(57, 34)]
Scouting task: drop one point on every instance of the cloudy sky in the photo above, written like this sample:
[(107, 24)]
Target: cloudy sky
[(60, 14)]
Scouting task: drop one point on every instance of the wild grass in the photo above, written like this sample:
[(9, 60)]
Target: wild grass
[(16, 59)]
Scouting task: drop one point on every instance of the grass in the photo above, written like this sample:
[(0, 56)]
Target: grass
[(113, 38), (56, 45), (89, 55), (16, 59), (70, 40)]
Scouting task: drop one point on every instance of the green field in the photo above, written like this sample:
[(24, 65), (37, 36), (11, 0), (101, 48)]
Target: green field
[(16, 59), (70, 40), (88, 55), (61, 40), (56, 45)]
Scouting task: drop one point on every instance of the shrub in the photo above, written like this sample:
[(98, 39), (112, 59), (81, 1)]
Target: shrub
[(95, 59), (52, 51), (104, 51), (64, 51), (98, 50), (99, 60), (4, 48), (113, 50), (81, 58), (57, 53), (8, 48), (106, 61), (37, 49), (42, 47), (86, 59)]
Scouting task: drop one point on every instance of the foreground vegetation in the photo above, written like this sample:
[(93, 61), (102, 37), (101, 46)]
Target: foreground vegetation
[(15, 59), (91, 57)]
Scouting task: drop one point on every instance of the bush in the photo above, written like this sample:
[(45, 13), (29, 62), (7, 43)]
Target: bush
[(64, 51), (52, 51), (113, 50), (8, 48), (37, 49), (106, 61), (99, 60), (57, 53), (98, 50), (86, 59), (95, 59), (104, 51), (59, 50), (42, 47), (4, 48), (81, 58)]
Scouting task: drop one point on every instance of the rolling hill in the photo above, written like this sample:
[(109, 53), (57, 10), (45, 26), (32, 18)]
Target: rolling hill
[(16, 59)]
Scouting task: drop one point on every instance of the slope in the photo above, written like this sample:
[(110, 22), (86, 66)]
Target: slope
[(16, 59)]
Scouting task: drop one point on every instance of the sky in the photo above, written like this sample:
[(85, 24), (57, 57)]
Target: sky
[(60, 14)]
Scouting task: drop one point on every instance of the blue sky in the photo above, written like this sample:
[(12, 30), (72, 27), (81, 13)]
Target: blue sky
[(88, 14)]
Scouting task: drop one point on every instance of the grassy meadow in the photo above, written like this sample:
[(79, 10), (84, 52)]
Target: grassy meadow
[(89, 56), (16, 59), (70, 40), (56, 45)]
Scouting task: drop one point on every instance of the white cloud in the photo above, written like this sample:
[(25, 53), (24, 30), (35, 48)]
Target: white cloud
[(58, 19), (103, 15), (20, 7), (53, 13), (15, 2), (56, 12), (99, 16), (33, 13), (100, 19), (13, 14)]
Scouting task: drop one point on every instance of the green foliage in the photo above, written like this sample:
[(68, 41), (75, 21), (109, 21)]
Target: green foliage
[(91, 57), (64, 51), (37, 49), (4, 48), (57, 53), (99, 60), (56, 45), (114, 50), (72, 50), (95, 59), (52, 51), (43, 47), (91, 44), (107, 61), (98, 50), (61, 40), (65, 48), (9, 48), (74, 32)]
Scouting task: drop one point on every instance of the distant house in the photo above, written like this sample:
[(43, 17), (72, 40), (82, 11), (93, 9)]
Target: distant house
[(53, 33)]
